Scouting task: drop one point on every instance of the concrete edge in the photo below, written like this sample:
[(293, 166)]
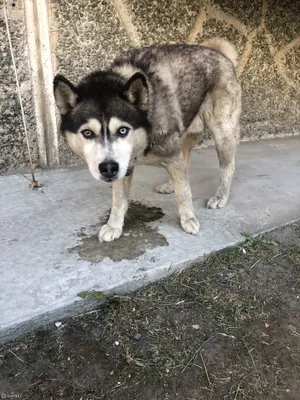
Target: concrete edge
[(80, 306)]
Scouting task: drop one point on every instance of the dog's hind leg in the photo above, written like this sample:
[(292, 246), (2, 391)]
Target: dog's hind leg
[(221, 111), (178, 171), (114, 227), (189, 142)]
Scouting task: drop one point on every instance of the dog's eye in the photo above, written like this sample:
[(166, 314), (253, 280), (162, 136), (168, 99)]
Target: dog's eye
[(123, 131), (87, 134)]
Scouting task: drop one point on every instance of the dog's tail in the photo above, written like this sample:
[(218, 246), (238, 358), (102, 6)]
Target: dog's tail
[(225, 47)]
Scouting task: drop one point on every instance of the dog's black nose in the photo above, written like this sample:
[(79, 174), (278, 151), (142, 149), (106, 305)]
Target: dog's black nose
[(109, 169)]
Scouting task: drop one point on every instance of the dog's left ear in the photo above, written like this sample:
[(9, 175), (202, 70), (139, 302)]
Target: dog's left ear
[(65, 93), (136, 91)]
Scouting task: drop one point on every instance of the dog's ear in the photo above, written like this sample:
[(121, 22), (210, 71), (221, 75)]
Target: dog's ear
[(65, 94), (136, 91)]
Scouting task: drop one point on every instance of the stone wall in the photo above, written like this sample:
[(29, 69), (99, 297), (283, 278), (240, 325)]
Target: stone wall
[(87, 34), (265, 33), (13, 149)]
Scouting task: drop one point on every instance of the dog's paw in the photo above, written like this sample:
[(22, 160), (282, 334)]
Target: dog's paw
[(217, 202), (108, 234), (190, 225), (165, 188)]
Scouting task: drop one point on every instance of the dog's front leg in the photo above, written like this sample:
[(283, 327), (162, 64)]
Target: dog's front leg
[(113, 229), (178, 171)]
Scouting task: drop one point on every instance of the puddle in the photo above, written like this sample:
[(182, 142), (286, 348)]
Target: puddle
[(136, 239)]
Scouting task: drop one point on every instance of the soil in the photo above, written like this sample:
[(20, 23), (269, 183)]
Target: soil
[(227, 328)]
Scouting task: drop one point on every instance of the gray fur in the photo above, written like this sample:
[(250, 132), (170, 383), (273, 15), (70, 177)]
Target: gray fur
[(184, 89), (179, 77)]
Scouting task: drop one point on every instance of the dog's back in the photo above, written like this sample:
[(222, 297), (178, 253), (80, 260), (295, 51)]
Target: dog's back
[(179, 77)]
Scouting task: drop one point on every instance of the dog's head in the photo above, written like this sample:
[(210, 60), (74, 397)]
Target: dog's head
[(104, 120)]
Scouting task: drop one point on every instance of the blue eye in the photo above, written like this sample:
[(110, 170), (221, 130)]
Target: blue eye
[(123, 131)]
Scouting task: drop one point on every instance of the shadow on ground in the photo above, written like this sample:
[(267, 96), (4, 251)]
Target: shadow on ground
[(227, 328)]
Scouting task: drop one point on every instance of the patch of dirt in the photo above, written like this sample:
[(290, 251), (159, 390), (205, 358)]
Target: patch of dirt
[(137, 237), (226, 329)]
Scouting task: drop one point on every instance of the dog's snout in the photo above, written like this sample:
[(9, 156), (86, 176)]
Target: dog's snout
[(109, 169)]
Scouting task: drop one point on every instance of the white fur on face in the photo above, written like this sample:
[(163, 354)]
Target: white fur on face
[(95, 154), (90, 150), (124, 150), (120, 150), (115, 124), (93, 125)]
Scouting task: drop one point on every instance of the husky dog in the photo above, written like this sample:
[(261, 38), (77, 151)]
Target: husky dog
[(150, 107)]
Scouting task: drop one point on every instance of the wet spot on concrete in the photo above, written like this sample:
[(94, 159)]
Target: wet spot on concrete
[(137, 237)]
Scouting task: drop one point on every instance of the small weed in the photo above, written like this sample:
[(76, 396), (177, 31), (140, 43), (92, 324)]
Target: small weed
[(92, 294), (241, 308), (260, 242)]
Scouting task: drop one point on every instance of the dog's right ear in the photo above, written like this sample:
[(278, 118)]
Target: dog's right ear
[(65, 94), (136, 91)]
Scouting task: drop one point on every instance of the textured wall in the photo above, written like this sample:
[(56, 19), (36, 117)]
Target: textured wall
[(13, 150), (265, 33), (87, 34)]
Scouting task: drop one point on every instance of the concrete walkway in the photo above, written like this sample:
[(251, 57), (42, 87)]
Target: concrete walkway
[(49, 252)]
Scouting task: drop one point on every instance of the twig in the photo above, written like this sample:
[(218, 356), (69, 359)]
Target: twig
[(225, 334), (20, 359), (205, 369), (194, 355), (237, 391), (255, 264), (252, 359), (295, 333), (167, 290), (277, 255)]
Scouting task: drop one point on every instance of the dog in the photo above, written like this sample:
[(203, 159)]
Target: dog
[(150, 107)]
